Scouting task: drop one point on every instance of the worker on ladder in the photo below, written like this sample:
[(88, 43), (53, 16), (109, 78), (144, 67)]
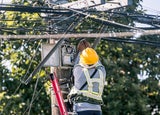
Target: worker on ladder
[(89, 78)]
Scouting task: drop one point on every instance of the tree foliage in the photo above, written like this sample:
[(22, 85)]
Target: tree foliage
[(133, 70), (127, 90), (19, 58)]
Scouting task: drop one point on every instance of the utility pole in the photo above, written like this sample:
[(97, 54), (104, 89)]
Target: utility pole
[(54, 106), (64, 74), (54, 103)]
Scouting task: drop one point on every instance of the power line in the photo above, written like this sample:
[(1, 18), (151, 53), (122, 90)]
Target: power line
[(34, 98), (63, 10), (140, 18), (30, 9), (102, 20), (34, 93), (31, 60), (133, 41)]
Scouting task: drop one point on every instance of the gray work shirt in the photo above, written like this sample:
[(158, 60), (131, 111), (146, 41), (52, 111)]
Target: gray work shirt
[(79, 80)]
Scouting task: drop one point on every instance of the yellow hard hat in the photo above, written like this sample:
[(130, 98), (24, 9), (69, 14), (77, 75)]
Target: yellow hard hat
[(89, 56)]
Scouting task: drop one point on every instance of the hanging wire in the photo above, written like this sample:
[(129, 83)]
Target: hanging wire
[(133, 41), (34, 94), (21, 82), (65, 19), (96, 42), (35, 97), (32, 59)]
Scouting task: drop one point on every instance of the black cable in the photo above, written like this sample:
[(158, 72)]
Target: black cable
[(30, 9), (39, 9), (133, 41), (43, 9), (24, 29)]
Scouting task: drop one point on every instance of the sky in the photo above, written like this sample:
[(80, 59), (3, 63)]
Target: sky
[(5, 1), (152, 6)]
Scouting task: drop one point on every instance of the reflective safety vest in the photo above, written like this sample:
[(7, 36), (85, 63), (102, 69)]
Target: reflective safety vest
[(89, 93)]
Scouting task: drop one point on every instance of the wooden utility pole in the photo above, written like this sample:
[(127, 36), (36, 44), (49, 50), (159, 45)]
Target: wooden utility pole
[(54, 106), (63, 75)]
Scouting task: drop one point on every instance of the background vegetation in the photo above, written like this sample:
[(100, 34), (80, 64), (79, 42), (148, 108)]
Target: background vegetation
[(133, 70)]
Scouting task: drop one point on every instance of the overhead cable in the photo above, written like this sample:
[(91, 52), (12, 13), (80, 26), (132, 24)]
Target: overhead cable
[(39, 9), (102, 20), (134, 41), (30, 9)]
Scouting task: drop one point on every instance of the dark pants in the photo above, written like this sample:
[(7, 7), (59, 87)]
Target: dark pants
[(89, 113)]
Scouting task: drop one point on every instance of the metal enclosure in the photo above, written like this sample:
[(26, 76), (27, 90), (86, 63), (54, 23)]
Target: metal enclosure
[(54, 60), (63, 56)]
